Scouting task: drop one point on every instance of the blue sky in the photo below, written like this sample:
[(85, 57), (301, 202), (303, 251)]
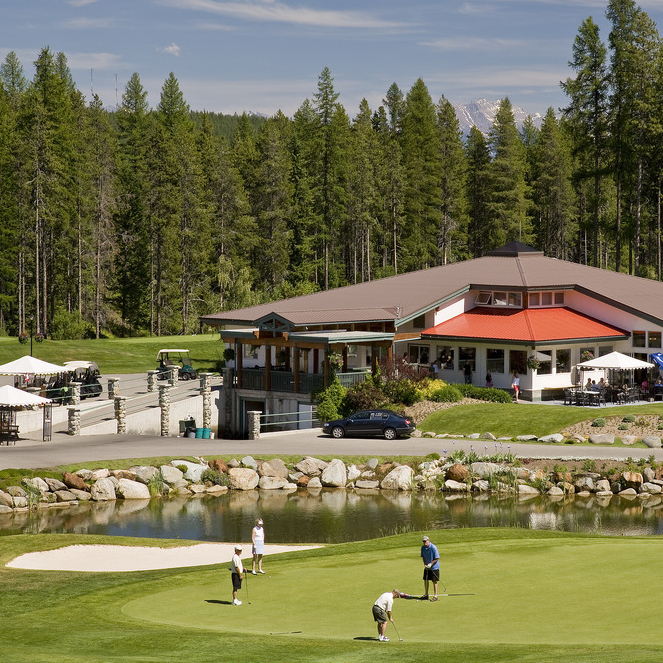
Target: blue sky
[(265, 55)]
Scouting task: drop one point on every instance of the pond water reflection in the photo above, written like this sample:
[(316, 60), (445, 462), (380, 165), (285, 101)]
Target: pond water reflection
[(335, 516)]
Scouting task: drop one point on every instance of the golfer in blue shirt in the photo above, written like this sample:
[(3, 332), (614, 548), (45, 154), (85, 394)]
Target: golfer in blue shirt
[(431, 559)]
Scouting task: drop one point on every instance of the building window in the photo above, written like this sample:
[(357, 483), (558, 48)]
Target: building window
[(419, 322), (546, 298), (559, 298), (586, 354), (605, 350), (418, 354), (545, 362), (495, 361), (466, 355), (484, 299), (563, 361), (654, 339), (499, 298), (639, 339), (445, 355), (534, 299), (515, 299), (518, 361), (250, 351)]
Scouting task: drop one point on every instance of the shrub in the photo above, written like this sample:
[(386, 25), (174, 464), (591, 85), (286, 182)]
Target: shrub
[(448, 394), (156, 485), (589, 465), (215, 477), (622, 427), (401, 391), (598, 423), (433, 456), (67, 326), (330, 401), (426, 388), (629, 418), (363, 396), (491, 394)]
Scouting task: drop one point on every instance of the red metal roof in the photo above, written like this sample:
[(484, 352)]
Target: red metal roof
[(533, 325)]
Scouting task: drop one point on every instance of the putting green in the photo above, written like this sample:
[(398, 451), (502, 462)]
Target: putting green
[(563, 590)]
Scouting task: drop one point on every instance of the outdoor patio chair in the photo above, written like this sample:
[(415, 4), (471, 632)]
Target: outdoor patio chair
[(569, 397)]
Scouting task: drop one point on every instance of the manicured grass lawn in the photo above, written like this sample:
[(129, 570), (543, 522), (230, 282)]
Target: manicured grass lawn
[(118, 355), (514, 595), (513, 419)]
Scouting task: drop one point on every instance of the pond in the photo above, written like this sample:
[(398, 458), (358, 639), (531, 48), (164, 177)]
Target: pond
[(336, 515)]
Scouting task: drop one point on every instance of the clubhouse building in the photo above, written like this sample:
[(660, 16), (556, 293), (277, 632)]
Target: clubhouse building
[(513, 310)]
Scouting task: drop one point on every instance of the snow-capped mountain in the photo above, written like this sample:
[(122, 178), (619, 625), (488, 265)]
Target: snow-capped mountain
[(481, 114)]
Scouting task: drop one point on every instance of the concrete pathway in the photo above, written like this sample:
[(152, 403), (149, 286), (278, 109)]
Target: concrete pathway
[(64, 449)]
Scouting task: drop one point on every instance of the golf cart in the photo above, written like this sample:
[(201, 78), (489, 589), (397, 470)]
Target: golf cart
[(87, 373), (166, 359)]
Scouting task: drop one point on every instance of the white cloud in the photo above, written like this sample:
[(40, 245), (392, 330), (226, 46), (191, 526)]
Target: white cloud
[(98, 61), (206, 25), (278, 12), (80, 3), (172, 49), (87, 23), (475, 44)]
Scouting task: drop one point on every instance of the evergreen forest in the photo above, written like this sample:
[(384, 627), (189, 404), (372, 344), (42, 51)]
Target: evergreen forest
[(136, 220)]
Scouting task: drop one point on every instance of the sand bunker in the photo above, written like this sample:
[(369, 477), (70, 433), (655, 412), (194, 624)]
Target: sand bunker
[(131, 558)]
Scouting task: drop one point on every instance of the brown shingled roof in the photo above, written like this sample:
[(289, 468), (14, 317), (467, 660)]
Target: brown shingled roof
[(405, 296)]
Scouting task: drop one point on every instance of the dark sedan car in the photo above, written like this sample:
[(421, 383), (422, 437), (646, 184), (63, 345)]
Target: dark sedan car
[(370, 422)]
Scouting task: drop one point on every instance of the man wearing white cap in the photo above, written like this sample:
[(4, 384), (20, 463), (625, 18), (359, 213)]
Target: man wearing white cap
[(258, 539), (431, 559), (236, 571)]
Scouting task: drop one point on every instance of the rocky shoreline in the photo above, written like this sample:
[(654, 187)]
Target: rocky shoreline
[(185, 478)]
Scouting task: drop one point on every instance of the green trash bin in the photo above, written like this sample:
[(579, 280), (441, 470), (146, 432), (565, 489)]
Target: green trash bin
[(206, 433), (199, 433)]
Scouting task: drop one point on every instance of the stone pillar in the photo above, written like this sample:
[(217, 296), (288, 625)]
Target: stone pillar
[(74, 421), (152, 380), (253, 424), (75, 393), (164, 404), (113, 388), (174, 375), (206, 392), (121, 414), (228, 378)]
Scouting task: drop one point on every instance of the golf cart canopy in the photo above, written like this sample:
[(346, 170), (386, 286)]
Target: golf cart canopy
[(82, 365), (171, 351)]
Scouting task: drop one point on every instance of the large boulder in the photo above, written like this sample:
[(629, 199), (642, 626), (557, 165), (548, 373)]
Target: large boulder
[(602, 438), (353, 473), (367, 484), (194, 471), (335, 474), (524, 489), (123, 474), (84, 474), (602, 485), (272, 483), (650, 488), (54, 484), (652, 441), (273, 468), (6, 499), (103, 490), (102, 473), (16, 491), (311, 466), (452, 486), (74, 481), (144, 473), (80, 495), (219, 465), (400, 478), (458, 472), (584, 484), (171, 475), (243, 478), (65, 496), (632, 479), (250, 462), (132, 490), (555, 438), (314, 483), (36, 483), (484, 470)]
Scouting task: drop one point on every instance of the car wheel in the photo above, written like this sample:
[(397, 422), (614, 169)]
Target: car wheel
[(337, 432), (389, 434), (184, 376)]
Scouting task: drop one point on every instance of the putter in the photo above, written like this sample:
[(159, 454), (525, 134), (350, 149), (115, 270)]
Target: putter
[(397, 633)]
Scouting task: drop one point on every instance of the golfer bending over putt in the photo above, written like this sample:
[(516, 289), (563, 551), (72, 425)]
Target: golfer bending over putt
[(236, 571), (382, 612), (431, 559)]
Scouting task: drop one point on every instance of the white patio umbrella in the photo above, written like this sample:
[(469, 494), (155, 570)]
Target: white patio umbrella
[(31, 365), (615, 360), (12, 397)]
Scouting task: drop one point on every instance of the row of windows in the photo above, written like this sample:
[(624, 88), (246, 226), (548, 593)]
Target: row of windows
[(515, 299), (643, 339)]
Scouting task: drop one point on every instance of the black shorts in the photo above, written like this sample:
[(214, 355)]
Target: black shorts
[(379, 615), (237, 581), (432, 574)]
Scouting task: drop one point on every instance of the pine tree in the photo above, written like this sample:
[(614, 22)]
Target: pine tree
[(480, 227)]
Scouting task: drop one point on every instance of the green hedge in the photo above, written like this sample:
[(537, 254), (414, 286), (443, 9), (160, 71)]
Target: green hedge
[(491, 394)]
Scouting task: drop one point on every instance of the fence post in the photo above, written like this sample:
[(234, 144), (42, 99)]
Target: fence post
[(113, 388), (121, 414), (74, 421), (206, 392), (253, 421), (152, 380), (174, 375), (164, 404), (75, 393)]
